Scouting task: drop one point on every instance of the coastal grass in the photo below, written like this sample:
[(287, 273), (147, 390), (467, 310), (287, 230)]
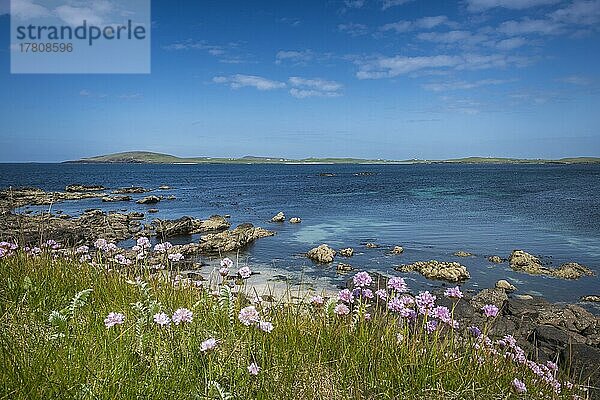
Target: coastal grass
[(54, 344)]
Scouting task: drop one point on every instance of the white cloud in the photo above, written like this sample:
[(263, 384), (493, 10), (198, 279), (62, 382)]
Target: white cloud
[(421, 23), (576, 80), (511, 43), (392, 3), (463, 85), (314, 87), (453, 37), (531, 26), (94, 13), (580, 12), (302, 56), (482, 5), (353, 29), (27, 9), (354, 3), (389, 67), (239, 81)]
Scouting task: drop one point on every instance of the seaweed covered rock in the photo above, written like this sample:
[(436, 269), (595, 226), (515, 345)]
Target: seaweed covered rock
[(231, 240), (522, 261)]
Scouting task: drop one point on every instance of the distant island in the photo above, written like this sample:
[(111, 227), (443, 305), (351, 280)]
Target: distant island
[(147, 157)]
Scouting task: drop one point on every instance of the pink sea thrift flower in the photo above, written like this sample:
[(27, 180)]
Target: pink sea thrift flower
[(431, 326), (249, 315), (424, 302), (490, 310), (224, 271), (121, 259), (143, 242), (182, 315), (265, 326), (82, 250), (397, 284), (175, 257), (226, 263), (382, 294), (253, 369), (317, 300), (341, 309), (346, 296), (113, 319), (453, 293), (362, 279), (162, 319), (162, 247), (366, 293), (395, 304), (245, 272), (208, 345), (519, 386), (101, 244)]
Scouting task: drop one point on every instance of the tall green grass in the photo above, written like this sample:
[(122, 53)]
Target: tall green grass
[(310, 354)]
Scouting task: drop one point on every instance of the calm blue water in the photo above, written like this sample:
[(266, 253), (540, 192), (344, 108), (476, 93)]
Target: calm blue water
[(431, 210)]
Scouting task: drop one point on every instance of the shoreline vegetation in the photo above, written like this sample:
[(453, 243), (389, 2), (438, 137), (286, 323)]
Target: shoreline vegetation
[(88, 322), (145, 157)]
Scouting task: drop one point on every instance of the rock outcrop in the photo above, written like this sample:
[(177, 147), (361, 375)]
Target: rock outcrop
[(398, 250), (505, 285), (188, 226), (231, 240), (347, 252), (522, 261), (279, 217), (113, 199), (130, 190), (461, 253), (149, 200), (84, 188), (322, 254), (496, 259), (295, 220), (447, 271)]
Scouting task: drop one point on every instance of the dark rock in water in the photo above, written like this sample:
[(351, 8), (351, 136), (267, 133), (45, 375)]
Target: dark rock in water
[(280, 217), (525, 262), (231, 240), (398, 250), (295, 220), (463, 254), (171, 197), (149, 200), (448, 271), (327, 174), (322, 254), (366, 173), (84, 188), (591, 298), (371, 245), (347, 252), (496, 259), (189, 226), (130, 190), (584, 362), (135, 215), (153, 210), (112, 199), (164, 187), (341, 267), (505, 285)]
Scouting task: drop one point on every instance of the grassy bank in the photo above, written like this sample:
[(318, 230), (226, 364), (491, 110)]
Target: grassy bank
[(58, 341)]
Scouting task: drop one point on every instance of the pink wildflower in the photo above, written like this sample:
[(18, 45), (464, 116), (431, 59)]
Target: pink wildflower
[(317, 300), (162, 319), (175, 257), (397, 284), (208, 345), (182, 315), (265, 326), (253, 369), (245, 272), (362, 279), (248, 315), (490, 310), (453, 293), (519, 386), (113, 319), (346, 296), (341, 309), (226, 262)]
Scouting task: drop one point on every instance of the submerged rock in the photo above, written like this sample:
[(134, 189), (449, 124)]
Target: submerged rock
[(341, 267), (463, 254), (112, 199), (231, 240), (372, 245), (347, 252), (84, 188), (164, 187), (448, 271), (130, 190), (525, 262), (496, 259), (153, 210), (321, 254), (295, 220), (149, 200), (279, 217), (505, 285), (398, 250)]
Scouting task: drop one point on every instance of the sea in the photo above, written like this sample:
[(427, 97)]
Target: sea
[(432, 210)]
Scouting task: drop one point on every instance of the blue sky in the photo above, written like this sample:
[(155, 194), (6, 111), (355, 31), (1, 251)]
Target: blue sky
[(391, 79)]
